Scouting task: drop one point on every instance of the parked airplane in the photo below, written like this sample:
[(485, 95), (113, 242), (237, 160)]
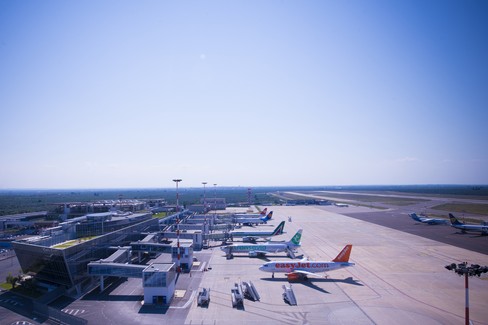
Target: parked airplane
[(252, 215), (253, 235), (262, 249), (302, 269), (430, 221), (464, 227), (254, 220)]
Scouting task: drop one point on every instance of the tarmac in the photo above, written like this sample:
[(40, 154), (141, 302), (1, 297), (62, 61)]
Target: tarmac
[(399, 278)]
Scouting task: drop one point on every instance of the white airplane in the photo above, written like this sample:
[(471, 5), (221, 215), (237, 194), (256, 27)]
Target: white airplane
[(464, 227), (430, 221), (253, 220), (300, 270), (262, 249), (253, 235), (252, 215)]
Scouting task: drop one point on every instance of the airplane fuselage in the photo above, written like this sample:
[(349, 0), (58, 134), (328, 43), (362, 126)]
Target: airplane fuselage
[(257, 234), (483, 229), (252, 235), (274, 248), (249, 221), (473, 228), (307, 266)]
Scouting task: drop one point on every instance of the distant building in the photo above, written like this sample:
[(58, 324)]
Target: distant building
[(23, 220), (75, 209), (215, 203), (197, 208)]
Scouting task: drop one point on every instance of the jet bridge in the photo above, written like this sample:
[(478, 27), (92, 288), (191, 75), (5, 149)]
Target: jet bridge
[(115, 269), (101, 269)]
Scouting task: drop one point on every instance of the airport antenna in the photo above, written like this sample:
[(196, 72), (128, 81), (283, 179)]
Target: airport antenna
[(467, 271)]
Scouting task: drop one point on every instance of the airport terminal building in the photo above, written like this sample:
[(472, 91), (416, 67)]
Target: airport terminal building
[(61, 257)]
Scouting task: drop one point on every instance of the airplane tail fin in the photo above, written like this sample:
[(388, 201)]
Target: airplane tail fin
[(268, 217), (263, 213), (454, 220), (279, 230), (295, 241), (344, 254), (414, 216)]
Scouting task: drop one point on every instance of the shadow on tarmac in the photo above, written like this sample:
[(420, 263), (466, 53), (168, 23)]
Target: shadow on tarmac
[(308, 282), (19, 305), (153, 309), (95, 294)]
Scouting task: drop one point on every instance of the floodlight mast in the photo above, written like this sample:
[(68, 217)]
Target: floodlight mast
[(464, 269), (204, 198), (178, 268), (215, 200)]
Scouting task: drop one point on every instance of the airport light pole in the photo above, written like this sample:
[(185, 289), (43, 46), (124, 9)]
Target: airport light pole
[(178, 268), (204, 198), (215, 198), (464, 269)]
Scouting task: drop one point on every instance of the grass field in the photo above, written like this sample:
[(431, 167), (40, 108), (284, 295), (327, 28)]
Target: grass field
[(5, 286), (473, 208), (373, 198)]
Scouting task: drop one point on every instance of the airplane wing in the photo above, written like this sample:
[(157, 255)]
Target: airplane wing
[(291, 253), (259, 252), (302, 272)]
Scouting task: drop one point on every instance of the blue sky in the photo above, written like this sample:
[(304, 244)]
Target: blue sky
[(101, 94)]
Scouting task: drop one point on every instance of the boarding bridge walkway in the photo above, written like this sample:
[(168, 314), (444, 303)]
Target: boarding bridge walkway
[(115, 269), (150, 247), (216, 236)]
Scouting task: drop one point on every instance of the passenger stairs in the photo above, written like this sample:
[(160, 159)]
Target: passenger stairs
[(250, 291), (237, 296), (289, 295)]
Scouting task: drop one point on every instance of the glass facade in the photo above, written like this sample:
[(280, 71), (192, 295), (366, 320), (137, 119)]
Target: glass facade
[(122, 270), (47, 263), (154, 279), (68, 266), (158, 278)]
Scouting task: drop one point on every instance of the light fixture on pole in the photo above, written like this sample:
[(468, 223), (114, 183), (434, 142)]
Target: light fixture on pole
[(178, 268), (464, 269), (204, 198), (215, 198)]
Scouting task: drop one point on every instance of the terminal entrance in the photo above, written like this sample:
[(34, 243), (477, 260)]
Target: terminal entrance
[(159, 300)]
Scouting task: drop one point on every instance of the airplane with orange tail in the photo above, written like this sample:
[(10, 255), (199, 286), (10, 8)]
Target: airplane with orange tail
[(300, 270)]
